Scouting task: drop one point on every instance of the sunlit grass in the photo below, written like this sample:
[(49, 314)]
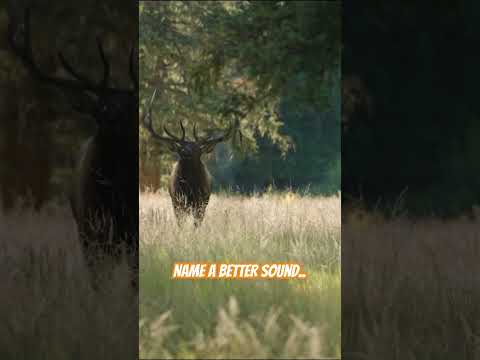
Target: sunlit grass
[(241, 318)]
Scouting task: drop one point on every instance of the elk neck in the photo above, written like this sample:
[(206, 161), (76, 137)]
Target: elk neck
[(190, 168), (115, 157)]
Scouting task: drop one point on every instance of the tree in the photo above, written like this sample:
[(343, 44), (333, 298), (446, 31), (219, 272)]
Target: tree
[(217, 62)]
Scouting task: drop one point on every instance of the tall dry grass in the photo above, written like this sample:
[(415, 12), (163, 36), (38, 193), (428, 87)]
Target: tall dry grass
[(241, 318), (410, 288), (48, 309)]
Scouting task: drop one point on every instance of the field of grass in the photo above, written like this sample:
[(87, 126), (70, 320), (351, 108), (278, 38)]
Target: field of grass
[(410, 288), (241, 318), (48, 309)]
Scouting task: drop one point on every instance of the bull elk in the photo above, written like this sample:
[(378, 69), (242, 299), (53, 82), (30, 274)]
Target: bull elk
[(104, 192), (190, 182)]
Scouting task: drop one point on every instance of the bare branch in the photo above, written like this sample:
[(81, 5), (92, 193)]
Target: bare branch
[(147, 123)]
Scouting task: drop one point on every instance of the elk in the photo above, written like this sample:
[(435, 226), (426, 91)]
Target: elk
[(104, 188), (190, 182)]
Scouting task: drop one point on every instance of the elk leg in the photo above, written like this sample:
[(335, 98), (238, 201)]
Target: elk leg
[(94, 235), (180, 215), (198, 215), (91, 257)]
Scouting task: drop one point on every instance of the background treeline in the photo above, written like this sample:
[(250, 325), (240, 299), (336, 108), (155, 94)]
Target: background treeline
[(414, 145), (273, 66), (40, 134)]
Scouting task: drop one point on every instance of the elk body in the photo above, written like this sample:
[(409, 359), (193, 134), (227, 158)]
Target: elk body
[(104, 192), (190, 183), (190, 187)]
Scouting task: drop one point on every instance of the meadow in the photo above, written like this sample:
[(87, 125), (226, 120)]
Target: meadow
[(241, 318), (48, 309), (410, 287)]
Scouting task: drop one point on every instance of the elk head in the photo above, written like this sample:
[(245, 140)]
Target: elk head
[(113, 109), (184, 148)]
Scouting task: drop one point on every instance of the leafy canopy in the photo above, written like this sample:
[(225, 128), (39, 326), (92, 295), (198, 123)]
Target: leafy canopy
[(214, 62)]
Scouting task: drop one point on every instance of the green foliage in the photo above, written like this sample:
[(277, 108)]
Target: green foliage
[(217, 62), (314, 162)]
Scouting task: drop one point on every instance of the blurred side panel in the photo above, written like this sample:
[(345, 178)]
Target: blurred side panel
[(68, 149), (410, 181)]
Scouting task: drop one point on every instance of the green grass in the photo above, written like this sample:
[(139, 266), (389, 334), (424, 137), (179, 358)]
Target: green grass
[(241, 318)]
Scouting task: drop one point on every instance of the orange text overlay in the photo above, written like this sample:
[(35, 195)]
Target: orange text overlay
[(219, 271)]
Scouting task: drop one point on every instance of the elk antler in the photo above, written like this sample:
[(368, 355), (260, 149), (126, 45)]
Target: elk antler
[(195, 133), (106, 65), (173, 136), (80, 82), (209, 143), (147, 123)]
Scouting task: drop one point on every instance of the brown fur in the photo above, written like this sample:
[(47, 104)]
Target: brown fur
[(190, 188)]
